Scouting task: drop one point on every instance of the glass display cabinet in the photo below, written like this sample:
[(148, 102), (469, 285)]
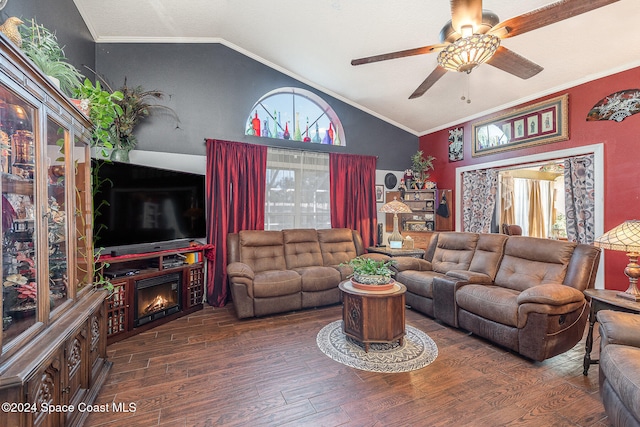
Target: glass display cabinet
[(53, 341)]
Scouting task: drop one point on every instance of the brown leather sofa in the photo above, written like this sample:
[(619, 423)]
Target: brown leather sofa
[(523, 293), (620, 366), (279, 271)]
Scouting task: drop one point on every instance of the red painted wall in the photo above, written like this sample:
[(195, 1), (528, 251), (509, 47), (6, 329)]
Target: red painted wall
[(621, 147)]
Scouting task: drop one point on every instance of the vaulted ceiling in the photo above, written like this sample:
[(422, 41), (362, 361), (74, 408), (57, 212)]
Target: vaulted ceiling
[(315, 41)]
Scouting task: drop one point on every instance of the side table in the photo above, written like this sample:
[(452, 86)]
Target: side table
[(603, 299), (373, 316), (385, 250)]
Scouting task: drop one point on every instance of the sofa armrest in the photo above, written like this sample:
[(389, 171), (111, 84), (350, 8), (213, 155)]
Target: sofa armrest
[(471, 277), (239, 269), (403, 263), (617, 327), (239, 273), (550, 294)]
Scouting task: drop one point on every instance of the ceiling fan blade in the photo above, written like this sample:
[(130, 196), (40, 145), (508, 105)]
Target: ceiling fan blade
[(428, 82), (399, 54), (546, 15), (509, 61), (466, 12)]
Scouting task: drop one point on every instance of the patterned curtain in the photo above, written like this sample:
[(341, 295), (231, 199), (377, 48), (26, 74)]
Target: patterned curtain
[(580, 198), (479, 190)]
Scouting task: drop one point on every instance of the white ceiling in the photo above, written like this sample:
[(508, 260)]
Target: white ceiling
[(315, 40)]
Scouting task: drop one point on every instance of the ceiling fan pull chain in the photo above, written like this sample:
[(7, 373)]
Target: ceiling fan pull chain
[(468, 91), (468, 77)]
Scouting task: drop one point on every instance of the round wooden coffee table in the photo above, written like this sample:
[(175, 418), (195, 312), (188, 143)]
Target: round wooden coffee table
[(373, 316)]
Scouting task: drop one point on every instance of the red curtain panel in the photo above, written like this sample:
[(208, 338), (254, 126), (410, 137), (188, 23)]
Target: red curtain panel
[(353, 196), (235, 187)]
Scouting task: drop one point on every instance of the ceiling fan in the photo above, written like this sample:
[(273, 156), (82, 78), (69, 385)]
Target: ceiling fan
[(473, 36)]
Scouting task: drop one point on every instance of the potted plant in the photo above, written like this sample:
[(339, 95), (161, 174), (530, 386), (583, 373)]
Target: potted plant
[(369, 271), (41, 46), (420, 166), (136, 104), (103, 110)]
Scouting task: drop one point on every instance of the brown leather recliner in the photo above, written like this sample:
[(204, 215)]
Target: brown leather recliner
[(620, 366)]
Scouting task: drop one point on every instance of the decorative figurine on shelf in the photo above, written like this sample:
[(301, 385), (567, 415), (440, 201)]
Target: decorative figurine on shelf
[(408, 178), (10, 29), (402, 188)]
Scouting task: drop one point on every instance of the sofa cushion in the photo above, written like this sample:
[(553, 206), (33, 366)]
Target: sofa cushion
[(418, 282), (454, 251), (488, 254), (621, 366), (262, 250), (301, 248), (337, 246), (490, 302), (269, 284), (319, 278), (530, 261)]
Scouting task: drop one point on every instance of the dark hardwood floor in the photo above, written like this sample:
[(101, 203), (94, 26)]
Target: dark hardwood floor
[(212, 369)]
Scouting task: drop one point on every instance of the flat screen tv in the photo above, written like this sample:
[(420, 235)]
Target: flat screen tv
[(141, 207)]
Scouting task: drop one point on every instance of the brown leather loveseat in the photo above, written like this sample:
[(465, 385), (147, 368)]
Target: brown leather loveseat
[(279, 271), (523, 293)]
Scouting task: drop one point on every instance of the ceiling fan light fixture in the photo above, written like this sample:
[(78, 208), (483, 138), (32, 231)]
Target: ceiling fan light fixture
[(467, 53)]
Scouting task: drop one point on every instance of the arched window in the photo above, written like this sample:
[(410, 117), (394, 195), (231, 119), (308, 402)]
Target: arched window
[(295, 114)]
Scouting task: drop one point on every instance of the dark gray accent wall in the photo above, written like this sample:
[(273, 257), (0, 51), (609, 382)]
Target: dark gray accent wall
[(63, 18), (213, 88)]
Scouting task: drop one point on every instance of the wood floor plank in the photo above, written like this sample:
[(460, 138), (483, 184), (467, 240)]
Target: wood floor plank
[(211, 369)]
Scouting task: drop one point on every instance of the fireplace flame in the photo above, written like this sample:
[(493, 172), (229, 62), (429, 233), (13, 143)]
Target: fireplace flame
[(158, 303)]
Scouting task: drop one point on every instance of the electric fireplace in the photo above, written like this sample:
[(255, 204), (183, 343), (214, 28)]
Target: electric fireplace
[(157, 297)]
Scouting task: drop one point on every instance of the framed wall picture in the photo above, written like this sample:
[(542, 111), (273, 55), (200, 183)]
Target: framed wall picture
[(379, 193), (540, 123), (456, 144)]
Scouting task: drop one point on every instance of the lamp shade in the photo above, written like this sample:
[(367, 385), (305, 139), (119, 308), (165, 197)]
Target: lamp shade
[(624, 237), (466, 53), (395, 207)]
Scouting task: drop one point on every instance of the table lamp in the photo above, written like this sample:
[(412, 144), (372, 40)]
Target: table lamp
[(395, 207), (625, 237)]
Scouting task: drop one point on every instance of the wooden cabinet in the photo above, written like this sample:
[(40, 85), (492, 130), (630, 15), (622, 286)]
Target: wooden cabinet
[(424, 218), (53, 341), (126, 271), (373, 316)]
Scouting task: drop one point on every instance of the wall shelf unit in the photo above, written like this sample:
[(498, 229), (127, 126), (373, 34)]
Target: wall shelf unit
[(423, 220)]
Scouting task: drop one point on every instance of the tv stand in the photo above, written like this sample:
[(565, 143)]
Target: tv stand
[(126, 271)]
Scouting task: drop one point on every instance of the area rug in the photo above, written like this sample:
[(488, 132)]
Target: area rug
[(416, 352)]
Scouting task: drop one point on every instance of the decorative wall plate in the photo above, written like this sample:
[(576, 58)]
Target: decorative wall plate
[(390, 181), (617, 106)]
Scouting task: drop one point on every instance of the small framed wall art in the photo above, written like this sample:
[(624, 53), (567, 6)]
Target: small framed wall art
[(456, 144), (536, 124), (379, 193)]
